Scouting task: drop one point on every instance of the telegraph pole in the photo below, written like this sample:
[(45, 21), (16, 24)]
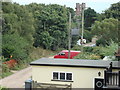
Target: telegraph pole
[(69, 36), (83, 7)]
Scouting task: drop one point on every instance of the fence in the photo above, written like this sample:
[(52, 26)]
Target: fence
[(112, 79)]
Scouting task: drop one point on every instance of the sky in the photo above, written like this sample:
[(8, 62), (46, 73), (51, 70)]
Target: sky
[(98, 5)]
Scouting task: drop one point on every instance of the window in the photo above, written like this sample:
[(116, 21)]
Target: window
[(61, 53), (69, 76), (55, 75), (64, 76)]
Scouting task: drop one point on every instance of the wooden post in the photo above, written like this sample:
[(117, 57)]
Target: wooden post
[(69, 36), (83, 7)]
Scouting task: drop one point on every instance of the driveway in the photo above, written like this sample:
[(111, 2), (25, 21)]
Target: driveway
[(17, 79)]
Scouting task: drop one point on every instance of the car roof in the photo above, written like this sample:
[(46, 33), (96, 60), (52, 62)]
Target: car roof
[(70, 51)]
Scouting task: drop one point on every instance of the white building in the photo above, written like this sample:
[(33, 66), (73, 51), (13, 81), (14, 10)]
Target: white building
[(71, 73)]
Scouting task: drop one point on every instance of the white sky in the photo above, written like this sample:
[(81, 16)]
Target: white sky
[(97, 5)]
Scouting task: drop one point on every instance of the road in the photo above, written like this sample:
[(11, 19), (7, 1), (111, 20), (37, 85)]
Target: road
[(17, 79)]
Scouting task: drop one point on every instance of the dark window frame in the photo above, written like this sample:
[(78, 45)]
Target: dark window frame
[(65, 78)]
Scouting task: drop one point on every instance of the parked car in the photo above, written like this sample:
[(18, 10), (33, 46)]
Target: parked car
[(64, 54)]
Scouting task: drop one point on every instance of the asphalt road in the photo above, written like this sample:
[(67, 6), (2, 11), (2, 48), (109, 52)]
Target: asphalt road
[(17, 79)]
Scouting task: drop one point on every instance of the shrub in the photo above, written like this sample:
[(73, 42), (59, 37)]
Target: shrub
[(109, 50), (88, 49), (77, 48), (101, 41), (86, 55)]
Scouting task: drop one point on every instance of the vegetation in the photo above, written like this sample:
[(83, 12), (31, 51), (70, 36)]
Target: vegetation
[(3, 88), (104, 30), (99, 52), (32, 31), (90, 17)]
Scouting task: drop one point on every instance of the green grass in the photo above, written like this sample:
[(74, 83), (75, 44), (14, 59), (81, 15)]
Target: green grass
[(3, 88), (34, 55), (40, 52), (5, 74)]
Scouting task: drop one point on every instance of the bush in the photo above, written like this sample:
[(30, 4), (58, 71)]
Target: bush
[(5, 71), (14, 45), (88, 35), (77, 48), (86, 55), (88, 49), (101, 42), (109, 50), (3, 88)]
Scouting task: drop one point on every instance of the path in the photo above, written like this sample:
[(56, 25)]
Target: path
[(17, 80)]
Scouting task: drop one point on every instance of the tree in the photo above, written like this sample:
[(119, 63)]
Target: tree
[(106, 29), (109, 50), (14, 45), (90, 17), (113, 11), (52, 20), (44, 39)]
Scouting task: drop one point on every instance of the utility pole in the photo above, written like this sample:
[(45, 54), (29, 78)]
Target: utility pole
[(83, 7), (69, 36)]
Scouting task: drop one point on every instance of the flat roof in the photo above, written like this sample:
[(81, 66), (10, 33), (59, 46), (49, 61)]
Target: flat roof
[(75, 63)]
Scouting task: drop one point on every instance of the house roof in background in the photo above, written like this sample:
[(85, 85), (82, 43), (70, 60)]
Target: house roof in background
[(75, 63)]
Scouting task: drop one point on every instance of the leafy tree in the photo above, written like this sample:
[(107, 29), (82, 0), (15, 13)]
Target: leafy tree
[(90, 17), (88, 35), (14, 45), (18, 21), (109, 50), (105, 29), (45, 40), (52, 19), (113, 11)]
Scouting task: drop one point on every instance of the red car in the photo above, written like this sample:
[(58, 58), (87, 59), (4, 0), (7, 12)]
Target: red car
[(64, 54)]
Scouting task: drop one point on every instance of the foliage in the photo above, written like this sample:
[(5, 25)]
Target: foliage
[(45, 41), (90, 17), (86, 55), (74, 40), (109, 50), (88, 35), (3, 88), (21, 65), (113, 11), (76, 47), (51, 21), (33, 25), (98, 52), (104, 30), (14, 45), (102, 42), (18, 20), (88, 49), (5, 71), (40, 52)]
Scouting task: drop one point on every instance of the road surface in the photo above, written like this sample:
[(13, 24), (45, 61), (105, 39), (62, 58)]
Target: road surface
[(17, 79)]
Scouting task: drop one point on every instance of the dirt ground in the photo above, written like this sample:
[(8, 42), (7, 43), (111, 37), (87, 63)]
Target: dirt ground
[(17, 80)]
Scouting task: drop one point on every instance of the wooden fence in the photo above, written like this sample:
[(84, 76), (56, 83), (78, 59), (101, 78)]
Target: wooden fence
[(112, 79)]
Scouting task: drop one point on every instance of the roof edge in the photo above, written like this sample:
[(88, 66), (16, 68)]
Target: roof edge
[(72, 66)]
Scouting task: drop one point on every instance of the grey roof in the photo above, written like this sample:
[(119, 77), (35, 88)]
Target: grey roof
[(75, 63)]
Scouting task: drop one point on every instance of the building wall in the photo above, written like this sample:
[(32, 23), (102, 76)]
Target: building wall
[(82, 77)]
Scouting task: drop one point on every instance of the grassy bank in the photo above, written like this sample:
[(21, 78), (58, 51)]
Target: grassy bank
[(35, 54)]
